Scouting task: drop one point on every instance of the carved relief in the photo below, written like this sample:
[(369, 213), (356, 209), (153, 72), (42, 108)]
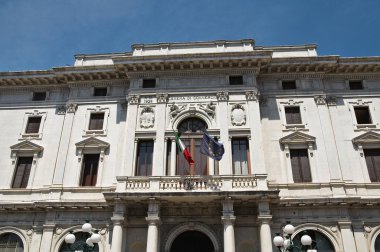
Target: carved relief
[(320, 100), (238, 117), (331, 101), (176, 109), (252, 95), (133, 99), (208, 108), (147, 118), (222, 96), (71, 107), (162, 98)]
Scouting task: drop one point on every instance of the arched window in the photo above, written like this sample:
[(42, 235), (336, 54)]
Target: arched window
[(191, 130), (10, 242), (320, 242), (377, 244), (80, 238)]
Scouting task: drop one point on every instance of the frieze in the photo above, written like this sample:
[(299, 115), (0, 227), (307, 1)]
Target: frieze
[(176, 109)]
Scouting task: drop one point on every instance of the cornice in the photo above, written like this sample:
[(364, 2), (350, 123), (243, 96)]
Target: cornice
[(196, 73)]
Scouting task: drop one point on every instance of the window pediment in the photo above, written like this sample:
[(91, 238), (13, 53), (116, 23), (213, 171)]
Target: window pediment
[(26, 146), (92, 143), (297, 138), (367, 138)]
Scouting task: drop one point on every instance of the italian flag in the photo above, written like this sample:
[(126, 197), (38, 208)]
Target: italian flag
[(183, 149)]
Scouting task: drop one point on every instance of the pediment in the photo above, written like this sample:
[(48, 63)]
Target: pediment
[(297, 138), (92, 143), (26, 146), (369, 137)]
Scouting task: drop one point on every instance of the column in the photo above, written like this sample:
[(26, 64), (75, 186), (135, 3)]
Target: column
[(153, 220), (47, 237), (158, 154), (228, 220), (347, 236), (173, 158), (265, 218), (118, 223), (225, 162), (68, 112)]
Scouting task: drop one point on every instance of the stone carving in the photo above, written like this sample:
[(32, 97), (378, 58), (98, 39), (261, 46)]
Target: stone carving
[(71, 107), (238, 115), (222, 96), (175, 110), (252, 95), (162, 98), (331, 100), (133, 99), (320, 100), (147, 118), (208, 108)]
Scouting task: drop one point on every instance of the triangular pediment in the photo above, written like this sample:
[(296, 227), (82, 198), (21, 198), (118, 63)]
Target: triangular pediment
[(91, 143), (297, 138), (27, 146), (367, 138)]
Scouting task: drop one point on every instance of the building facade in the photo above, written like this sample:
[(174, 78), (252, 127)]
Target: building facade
[(96, 141)]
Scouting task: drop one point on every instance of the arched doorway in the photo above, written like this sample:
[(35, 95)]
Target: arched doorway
[(10, 242), (190, 241), (191, 131), (320, 242), (80, 237)]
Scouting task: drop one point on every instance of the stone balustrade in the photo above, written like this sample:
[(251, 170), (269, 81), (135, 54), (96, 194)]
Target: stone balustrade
[(191, 183)]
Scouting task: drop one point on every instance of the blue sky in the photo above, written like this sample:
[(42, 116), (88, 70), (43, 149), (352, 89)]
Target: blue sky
[(40, 34)]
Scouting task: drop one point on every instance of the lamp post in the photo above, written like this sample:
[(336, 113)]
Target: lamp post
[(285, 243), (89, 244)]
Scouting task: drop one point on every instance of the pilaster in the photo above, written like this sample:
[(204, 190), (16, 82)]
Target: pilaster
[(228, 220), (225, 167), (153, 220), (347, 236), (47, 237), (118, 220), (159, 154)]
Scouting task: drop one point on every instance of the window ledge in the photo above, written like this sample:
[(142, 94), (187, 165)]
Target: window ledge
[(294, 127), (95, 133), (369, 127), (31, 136)]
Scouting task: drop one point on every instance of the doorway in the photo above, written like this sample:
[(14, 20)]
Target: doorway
[(192, 241)]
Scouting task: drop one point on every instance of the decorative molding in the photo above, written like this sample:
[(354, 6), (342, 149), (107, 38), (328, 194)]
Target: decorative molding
[(360, 102), (176, 109), (320, 100), (162, 98), (252, 95), (147, 118), (331, 100), (26, 146), (222, 96), (133, 99), (209, 108), (367, 138), (291, 102), (71, 107), (238, 117), (297, 138), (91, 144)]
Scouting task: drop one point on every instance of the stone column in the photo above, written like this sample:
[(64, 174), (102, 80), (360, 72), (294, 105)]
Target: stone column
[(347, 236), (118, 223), (228, 220), (160, 117), (68, 112), (153, 220), (47, 237), (265, 218), (224, 120), (173, 158)]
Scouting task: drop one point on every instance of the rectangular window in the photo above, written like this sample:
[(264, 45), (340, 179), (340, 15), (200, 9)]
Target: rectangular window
[(293, 115), (33, 125), (372, 158), (89, 169), (236, 80), (21, 176), (100, 91), (144, 158), (288, 84), (362, 115), (39, 96), (96, 121), (240, 156), (300, 165), (149, 83), (355, 85)]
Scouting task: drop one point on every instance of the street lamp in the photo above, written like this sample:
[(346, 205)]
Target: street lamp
[(285, 243), (87, 246)]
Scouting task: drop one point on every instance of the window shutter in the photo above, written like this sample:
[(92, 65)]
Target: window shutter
[(22, 172), (144, 158), (362, 115), (293, 115), (305, 165), (296, 169), (96, 121), (90, 169), (372, 158), (33, 125)]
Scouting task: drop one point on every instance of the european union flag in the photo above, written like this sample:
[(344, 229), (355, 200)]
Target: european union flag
[(211, 147)]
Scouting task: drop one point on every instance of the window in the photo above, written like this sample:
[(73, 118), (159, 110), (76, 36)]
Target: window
[(288, 84), (10, 242), (100, 91), (240, 154), (300, 165), (89, 169), (80, 238), (293, 115), (319, 243), (144, 158), (96, 121), (33, 125), (355, 85), (39, 96), (362, 115), (372, 159), (149, 83), (236, 80), (22, 172)]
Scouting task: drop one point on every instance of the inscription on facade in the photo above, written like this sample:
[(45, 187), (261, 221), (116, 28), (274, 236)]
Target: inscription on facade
[(191, 98)]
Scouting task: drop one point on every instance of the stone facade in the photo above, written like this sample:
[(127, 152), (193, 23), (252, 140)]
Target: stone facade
[(237, 210)]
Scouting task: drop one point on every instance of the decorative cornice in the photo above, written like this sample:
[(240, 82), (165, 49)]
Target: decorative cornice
[(222, 96), (162, 98), (252, 95), (133, 99)]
